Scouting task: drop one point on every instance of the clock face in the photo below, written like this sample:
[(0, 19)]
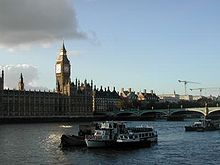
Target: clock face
[(66, 68), (58, 68)]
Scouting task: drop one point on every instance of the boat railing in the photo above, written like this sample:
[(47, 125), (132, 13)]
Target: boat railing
[(92, 137), (140, 129)]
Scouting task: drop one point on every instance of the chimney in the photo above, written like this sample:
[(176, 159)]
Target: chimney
[(152, 92), (145, 91), (129, 90)]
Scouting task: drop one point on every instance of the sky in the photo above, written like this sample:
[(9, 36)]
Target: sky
[(144, 44)]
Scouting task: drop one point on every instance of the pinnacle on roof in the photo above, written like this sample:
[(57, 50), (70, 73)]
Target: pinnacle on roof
[(21, 77), (64, 46)]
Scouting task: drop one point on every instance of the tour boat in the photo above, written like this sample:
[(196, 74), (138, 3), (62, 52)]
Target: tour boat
[(116, 134), (203, 125)]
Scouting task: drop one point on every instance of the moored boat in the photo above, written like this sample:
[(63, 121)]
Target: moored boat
[(116, 134), (72, 141), (77, 140), (203, 125)]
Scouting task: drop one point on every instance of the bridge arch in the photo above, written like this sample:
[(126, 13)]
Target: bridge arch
[(191, 113), (214, 114), (152, 113), (199, 110), (126, 114), (212, 110)]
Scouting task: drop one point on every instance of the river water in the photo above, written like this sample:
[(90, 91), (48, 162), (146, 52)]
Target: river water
[(39, 144)]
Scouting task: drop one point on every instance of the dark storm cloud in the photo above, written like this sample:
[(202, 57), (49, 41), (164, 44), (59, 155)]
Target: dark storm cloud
[(23, 22)]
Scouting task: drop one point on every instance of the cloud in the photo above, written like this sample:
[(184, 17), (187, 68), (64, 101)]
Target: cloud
[(74, 53), (27, 22), (30, 75)]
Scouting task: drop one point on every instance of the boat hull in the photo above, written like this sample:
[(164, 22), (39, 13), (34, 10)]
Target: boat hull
[(96, 143), (200, 129), (190, 128), (72, 141), (114, 144)]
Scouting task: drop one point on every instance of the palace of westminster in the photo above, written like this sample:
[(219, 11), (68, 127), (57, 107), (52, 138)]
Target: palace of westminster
[(69, 99)]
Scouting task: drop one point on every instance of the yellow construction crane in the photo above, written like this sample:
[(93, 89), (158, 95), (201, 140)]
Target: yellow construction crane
[(201, 89), (187, 82)]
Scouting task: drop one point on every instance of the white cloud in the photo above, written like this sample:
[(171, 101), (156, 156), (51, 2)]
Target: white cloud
[(24, 22), (74, 53), (29, 72)]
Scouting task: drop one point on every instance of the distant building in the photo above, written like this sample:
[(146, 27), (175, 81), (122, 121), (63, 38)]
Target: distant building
[(171, 98), (128, 95), (105, 100), (195, 98), (176, 98), (186, 97), (147, 97)]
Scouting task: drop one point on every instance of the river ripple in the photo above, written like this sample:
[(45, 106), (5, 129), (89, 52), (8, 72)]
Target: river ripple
[(38, 144)]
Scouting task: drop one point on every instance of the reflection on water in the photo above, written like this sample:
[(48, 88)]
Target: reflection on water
[(66, 126), (39, 144)]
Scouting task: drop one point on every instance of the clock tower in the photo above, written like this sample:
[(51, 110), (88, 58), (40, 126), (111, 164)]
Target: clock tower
[(62, 70)]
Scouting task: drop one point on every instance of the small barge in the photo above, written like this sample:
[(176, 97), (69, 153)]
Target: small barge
[(77, 140), (203, 125)]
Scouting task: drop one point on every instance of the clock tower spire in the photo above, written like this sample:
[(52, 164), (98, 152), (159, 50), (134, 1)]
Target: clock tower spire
[(63, 72)]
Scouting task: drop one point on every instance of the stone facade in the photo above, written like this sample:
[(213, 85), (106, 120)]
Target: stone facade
[(129, 95), (147, 97), (105, 100), (41, 103)]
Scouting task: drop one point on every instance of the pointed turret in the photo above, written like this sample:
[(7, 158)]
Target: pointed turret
[(21, 78), (63, 49), (2, 81), (91, 84), (21, 83), (63, 53)]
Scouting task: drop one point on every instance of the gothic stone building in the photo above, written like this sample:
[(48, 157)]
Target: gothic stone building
[(69, 99), (105, 100)]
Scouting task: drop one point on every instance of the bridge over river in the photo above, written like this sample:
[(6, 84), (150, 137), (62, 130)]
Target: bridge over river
[(206, 111)]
